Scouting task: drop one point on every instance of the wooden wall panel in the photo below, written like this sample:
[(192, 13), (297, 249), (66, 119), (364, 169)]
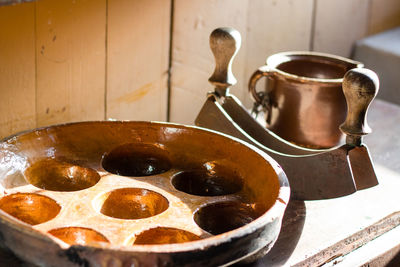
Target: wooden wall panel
[(70, 49), (17, 69), (72, 60), (275, 26), (384, 15), (266, 26), (192, 59), (338, 24), (137, 64)]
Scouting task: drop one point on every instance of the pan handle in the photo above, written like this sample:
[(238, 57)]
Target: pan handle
[(224, 43), (360, 86)]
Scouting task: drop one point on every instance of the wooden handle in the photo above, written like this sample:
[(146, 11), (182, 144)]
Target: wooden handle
[(224, 43), (360, 86)]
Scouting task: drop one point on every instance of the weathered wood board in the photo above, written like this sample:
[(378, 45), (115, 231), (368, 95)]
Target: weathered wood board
[(73, 60), (17, 69), (382, 251), (70, 51), (192, 59), (137, 59), (266, 27), (275, 26), (338, 24), (383, 15)]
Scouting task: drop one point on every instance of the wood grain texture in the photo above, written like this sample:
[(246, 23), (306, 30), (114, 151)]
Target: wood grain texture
[(382, 251), (275, 26), (77, 81), (70, 60), (192, 59), (137, 64), (266, 27), (17, 69), (338, 24), (384, 15)]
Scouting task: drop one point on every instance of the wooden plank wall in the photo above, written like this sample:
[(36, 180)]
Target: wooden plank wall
[(137, 62), (17, 69), (338, 24), (192, 60), (74, 60), (261, 24), (383, 15), (70, 56)]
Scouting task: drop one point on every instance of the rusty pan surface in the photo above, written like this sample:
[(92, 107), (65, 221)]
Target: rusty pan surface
[(137, 194)]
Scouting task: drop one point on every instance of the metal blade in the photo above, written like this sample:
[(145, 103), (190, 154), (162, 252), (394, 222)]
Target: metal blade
[(321, 176), (318, 176), (362, 167)]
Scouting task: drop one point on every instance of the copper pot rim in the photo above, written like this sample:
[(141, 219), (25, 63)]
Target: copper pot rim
[(276, 211), (274, 60)]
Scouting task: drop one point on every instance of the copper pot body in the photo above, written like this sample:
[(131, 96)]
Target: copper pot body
[(303, 99)]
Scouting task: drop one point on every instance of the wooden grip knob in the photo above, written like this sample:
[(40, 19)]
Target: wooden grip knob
[(224, 43), (360, 86)]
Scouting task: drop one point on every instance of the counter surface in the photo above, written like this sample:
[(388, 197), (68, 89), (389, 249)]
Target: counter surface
[(338, 230)]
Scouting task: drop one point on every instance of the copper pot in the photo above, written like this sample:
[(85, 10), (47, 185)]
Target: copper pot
[(304, 101), (137, 194)]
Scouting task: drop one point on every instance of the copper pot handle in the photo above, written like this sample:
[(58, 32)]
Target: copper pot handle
[(261, 98)]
